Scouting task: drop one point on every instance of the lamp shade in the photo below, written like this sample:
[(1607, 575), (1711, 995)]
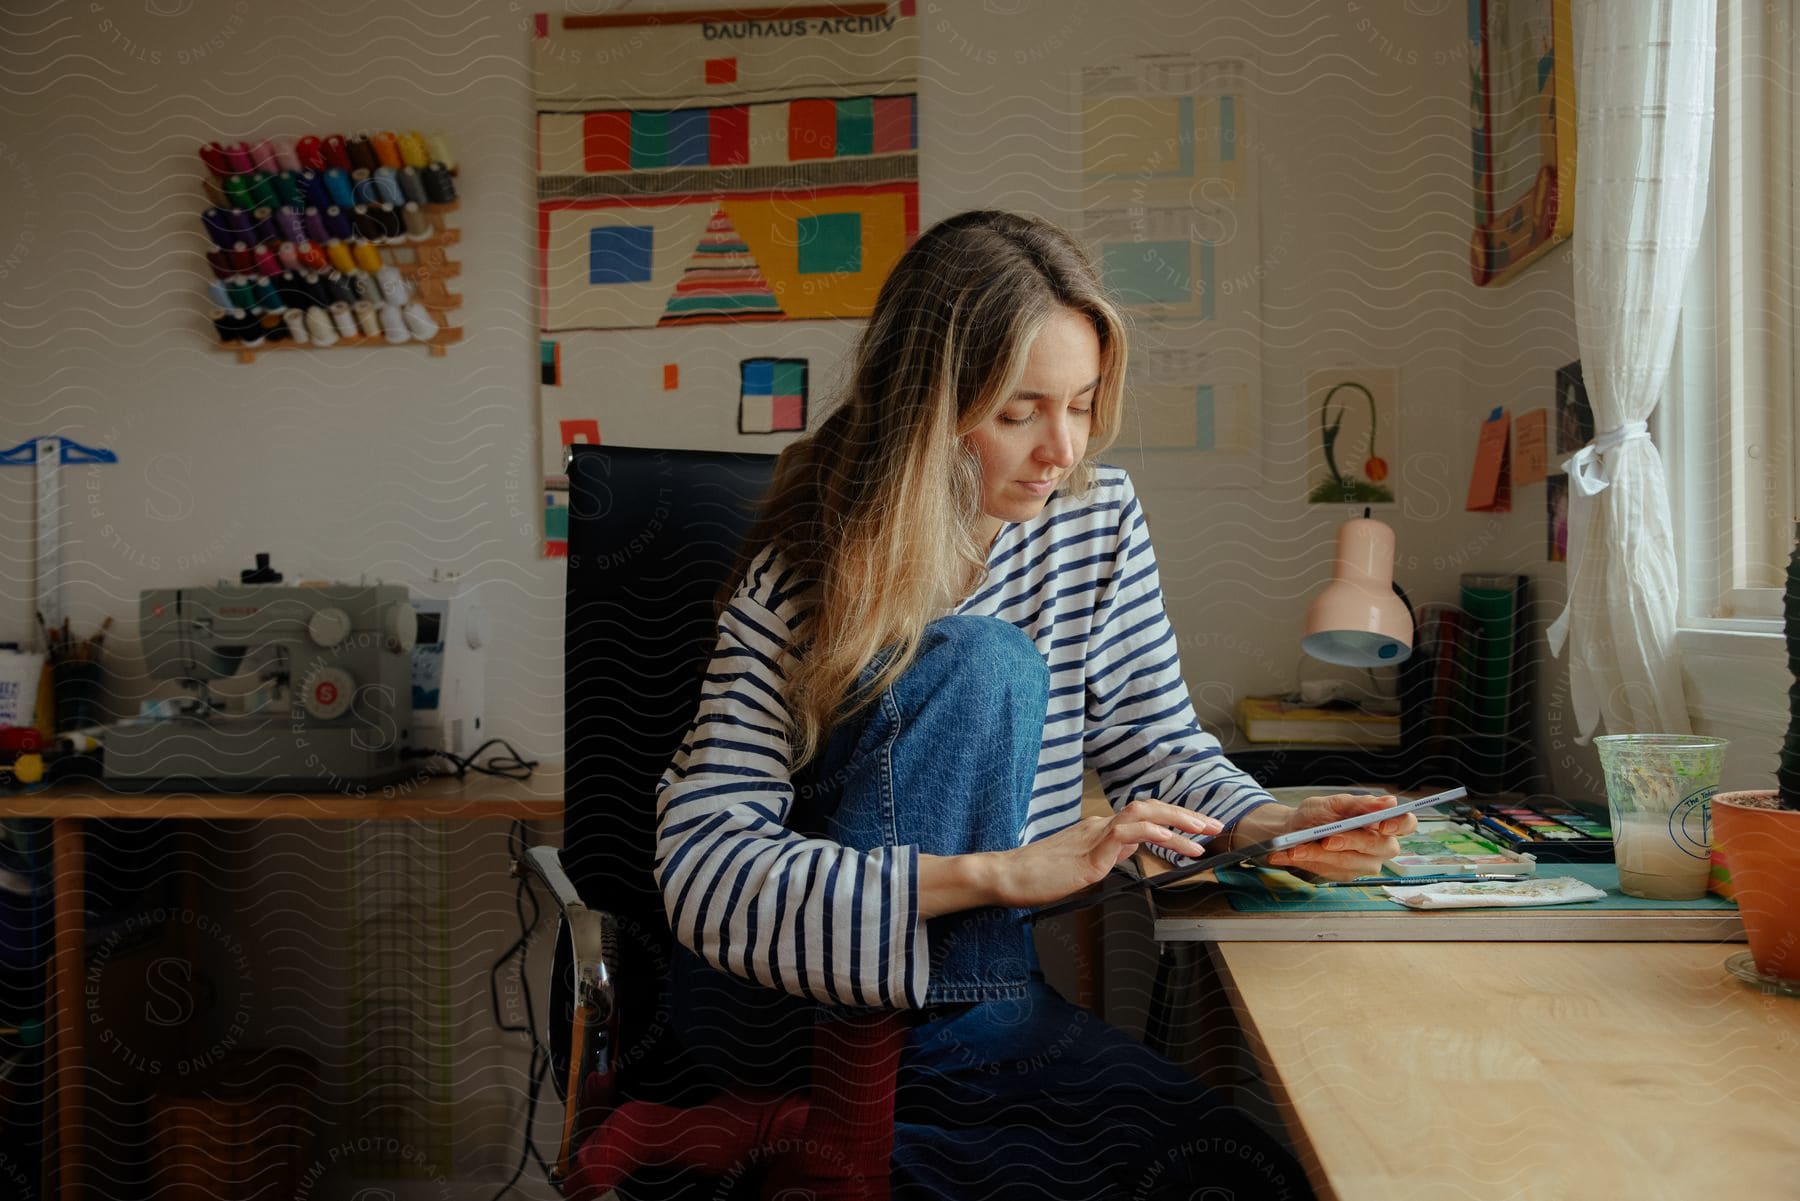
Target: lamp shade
[(1359, 620)]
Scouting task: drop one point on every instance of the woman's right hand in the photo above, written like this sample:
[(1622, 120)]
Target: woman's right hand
[(1046, 871)]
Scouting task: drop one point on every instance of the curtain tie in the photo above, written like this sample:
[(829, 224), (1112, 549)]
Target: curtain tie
[(1587, 466)]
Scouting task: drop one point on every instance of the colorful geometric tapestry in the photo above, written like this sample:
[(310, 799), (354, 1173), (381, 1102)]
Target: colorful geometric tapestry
[(714, 189)]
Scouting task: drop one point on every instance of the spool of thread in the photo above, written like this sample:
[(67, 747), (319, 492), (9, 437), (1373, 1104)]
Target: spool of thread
[(361, 153), (312, 186), (367, 224), (310, 256), (243, 258), (217, 294), (222, 325), (267, 265), (222, 227), (412, 187), (337, 184), (418, 225), (316, 228), (220, 262), (393, 286), (213, 190), (261, 194), (239, 293), (439, 148), (337, 222), (393, 325), (362, 187), (293, 295), (321, 327), (287, 189), (439, 187), (342, 318), (213, 155), (288, 255), (318, 292), (413, 150), (367, 256), (387, 187), (267, 298), (262, 227), (262, 157), (419, 323), (238, 160), (273, 327), (387, 149), (310, 153), (366, 288), (367, 319), (393, 225), (290, 223), (338, 253), (332, 147), (285, 158), (237, 192), (296, 323), (340, 287), (250, 330)]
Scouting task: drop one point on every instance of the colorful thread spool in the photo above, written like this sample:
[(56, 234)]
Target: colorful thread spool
[(338, 224), (213, 155), (393, 286), (288, 255), (439, 188), (310, 152), (261, 194), (339, 255), (237, 192), (393, 225), (315, 226), (413, 150), (262, 227), (319, 325), (318, 292), (340, 287), (366, 223), (367, 319), (387, 149), (267, 298), (283, 148), (222, 227), (362, 186), (267, 265), (243, 259), (238, 160), (419, 323), (439, 146), (222, 325), (296, 323), (342, 318), (290, 224), (218, 294), (361, 153), (310, 256), (213, 190), (412, 187), (286, 186), (393, 325), (367, 257), (287, 286), (332, 147), (312, 185), (418, 225), (220, 262), (337, 184), (239, 293), (387, 186), (366, 288), (262, 157)]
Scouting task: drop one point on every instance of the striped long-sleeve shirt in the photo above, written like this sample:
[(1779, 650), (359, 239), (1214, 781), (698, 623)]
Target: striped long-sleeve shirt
[(753, 897)]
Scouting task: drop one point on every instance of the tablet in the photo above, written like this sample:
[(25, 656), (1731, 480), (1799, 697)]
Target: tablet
[(1114, 884)]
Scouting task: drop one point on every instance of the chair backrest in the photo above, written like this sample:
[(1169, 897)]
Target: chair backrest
[(653, 536)]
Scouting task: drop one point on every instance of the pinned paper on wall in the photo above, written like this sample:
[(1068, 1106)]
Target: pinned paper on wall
[(1490, 488), (1556, 515), (1531, 461), (1574, 415), (714, 184)]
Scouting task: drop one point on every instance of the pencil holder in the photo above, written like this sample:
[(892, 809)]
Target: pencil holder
[(78, 695)]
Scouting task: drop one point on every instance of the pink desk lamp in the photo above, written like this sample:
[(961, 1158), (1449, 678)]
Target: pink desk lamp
[(1361, 619)]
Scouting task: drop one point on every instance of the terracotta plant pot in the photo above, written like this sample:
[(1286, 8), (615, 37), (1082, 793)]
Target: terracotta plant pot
[(1760, 842)]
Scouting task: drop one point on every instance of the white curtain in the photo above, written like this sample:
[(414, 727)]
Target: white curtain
[(1644, 115)]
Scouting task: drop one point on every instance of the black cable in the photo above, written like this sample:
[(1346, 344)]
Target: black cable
[(513, 767), (538, 1065)]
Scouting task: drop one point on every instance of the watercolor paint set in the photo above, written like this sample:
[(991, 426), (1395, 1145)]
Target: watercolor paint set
[(1440, 848), (1550, 831)]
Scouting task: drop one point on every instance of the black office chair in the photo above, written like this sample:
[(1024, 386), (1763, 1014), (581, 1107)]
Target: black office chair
[(653, 536)]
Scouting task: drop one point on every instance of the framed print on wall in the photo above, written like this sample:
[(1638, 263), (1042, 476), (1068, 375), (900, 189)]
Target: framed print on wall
[(1522, 129)]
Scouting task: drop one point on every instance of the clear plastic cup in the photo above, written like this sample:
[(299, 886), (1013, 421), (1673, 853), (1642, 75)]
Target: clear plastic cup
[(1659, 791)]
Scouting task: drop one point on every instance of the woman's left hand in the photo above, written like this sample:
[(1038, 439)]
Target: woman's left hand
[(1343, 856)]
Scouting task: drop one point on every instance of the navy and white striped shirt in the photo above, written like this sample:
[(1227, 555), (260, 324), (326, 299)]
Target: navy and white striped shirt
[(743, 890)]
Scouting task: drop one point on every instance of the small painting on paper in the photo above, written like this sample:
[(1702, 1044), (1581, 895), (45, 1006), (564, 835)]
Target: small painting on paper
[(1352, 453)]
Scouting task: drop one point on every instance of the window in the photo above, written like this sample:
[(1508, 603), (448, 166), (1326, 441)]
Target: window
[(1731, 428)]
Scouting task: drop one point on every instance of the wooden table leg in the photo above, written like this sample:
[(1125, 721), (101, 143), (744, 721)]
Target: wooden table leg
[(66, 962)]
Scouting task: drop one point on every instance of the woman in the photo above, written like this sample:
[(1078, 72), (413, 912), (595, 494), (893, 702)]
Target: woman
[(947, 612)]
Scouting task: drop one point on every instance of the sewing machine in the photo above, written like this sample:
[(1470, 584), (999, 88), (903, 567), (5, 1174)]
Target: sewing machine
[(331, 704)]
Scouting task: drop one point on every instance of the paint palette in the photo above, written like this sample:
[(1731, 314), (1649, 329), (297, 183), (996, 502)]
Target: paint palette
[(1444, 848), (1552, 832)]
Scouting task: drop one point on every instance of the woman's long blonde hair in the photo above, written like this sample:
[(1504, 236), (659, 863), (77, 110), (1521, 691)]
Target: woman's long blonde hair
[(878, 509)]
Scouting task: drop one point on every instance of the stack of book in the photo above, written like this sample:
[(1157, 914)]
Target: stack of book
[(1335, 723)]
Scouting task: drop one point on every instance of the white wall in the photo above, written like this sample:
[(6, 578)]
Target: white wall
[(394, 464)]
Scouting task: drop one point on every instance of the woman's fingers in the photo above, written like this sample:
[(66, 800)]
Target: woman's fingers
[(1135, 833), (1166, 814)]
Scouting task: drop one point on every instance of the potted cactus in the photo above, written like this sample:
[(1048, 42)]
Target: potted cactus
[(1758, 832)]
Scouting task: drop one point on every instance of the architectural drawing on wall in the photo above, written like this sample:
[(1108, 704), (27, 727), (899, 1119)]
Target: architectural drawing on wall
[(702, 173), (1169, 199)]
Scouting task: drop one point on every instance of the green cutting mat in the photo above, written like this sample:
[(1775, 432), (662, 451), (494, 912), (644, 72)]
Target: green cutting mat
[(1263, 892)]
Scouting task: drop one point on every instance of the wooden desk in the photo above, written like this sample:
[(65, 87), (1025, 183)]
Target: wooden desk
[(1506, 1071), (478, 798)]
